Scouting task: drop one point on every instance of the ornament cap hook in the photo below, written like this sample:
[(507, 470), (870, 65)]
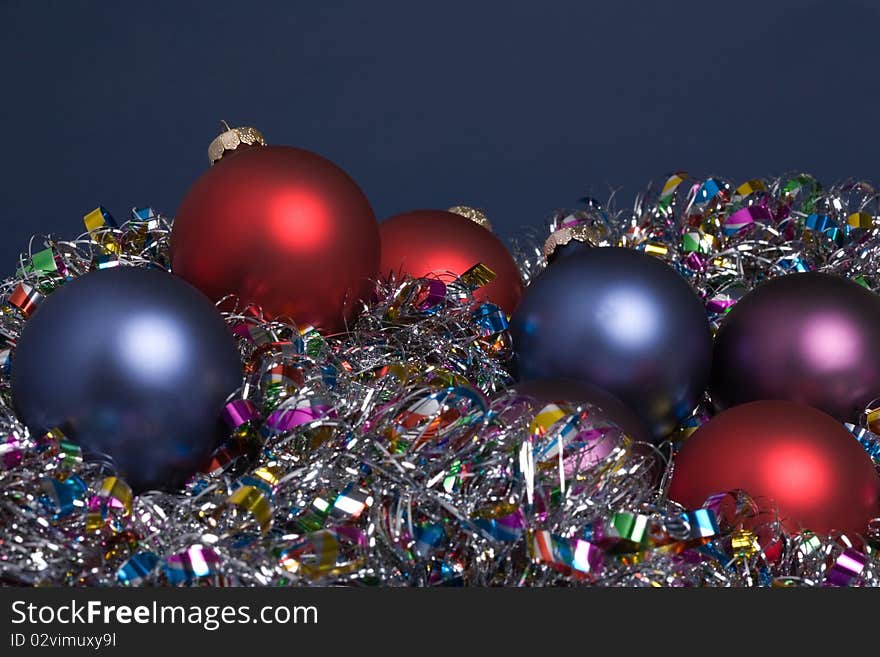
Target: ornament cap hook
[(477, 215), (232, 139)]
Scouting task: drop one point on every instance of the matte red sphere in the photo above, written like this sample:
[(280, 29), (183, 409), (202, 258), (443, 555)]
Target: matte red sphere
[(280, 227), (782, 452), (444, 244)]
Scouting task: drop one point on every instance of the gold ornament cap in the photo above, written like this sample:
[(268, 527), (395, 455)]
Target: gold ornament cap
[(474, 214), (231, 139), (579, 233)]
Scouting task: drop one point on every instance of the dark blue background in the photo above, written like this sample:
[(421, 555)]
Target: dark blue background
[(516, 107)]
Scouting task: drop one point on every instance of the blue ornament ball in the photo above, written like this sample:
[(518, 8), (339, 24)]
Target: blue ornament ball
[(621, 320), (135, 365)]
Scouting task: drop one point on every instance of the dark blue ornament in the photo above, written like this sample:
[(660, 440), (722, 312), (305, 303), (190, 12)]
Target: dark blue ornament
[(133, 364), (621, 320)]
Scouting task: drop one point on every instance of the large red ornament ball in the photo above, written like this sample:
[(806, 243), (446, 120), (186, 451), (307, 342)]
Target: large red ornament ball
[(782, 453), (443, 244), (280, 227)]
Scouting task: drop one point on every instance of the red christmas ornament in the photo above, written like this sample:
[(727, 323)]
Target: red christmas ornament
[(445, 244), (782, 453), (280, 227)]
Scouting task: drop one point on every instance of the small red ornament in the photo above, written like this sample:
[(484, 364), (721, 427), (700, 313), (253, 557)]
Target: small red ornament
[(446, 244), (280, 227), (782, 453)]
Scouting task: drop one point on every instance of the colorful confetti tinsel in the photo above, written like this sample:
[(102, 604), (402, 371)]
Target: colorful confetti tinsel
[(394, 455)]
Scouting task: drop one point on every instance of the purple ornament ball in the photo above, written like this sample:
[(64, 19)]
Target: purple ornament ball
[(548, 391), (810, 338), (607, 409)]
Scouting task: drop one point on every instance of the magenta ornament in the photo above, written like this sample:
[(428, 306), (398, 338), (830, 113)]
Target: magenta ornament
[(810, 338)]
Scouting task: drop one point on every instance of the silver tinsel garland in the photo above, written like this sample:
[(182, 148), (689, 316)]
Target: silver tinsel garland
[(395, 455)]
